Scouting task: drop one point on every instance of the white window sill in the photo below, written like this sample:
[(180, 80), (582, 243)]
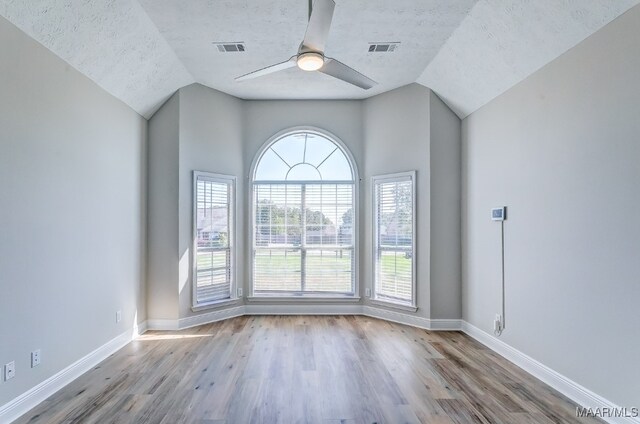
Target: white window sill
[(303, 299), (400, 306), (216, 304)]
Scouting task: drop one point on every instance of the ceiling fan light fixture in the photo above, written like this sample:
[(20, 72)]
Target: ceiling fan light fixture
[(310, 61)]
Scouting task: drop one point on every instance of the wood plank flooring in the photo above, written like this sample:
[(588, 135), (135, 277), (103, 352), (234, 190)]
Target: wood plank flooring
[(305, 369)]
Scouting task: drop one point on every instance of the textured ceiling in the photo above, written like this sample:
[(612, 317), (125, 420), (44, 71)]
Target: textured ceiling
[(502, 42), (273, 30), (467, 51), (113, 42)]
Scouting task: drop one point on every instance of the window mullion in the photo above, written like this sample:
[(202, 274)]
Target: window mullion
[(270, 214), (395, 253), (337, 226), (376, 214), (303, 241), (286, 215)]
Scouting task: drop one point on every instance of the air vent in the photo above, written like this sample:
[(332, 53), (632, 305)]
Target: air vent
[(234, 47), (388, 47)]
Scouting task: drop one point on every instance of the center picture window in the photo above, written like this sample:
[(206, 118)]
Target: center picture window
[(303, 218)]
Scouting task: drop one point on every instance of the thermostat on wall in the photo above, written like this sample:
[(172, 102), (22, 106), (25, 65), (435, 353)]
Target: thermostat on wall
[(499, 214)]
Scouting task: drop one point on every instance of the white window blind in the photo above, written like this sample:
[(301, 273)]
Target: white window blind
[(394, 226), (213, 233), (303, 252)]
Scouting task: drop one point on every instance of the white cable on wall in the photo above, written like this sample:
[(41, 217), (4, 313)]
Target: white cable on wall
[(499, 214), (502, 323)]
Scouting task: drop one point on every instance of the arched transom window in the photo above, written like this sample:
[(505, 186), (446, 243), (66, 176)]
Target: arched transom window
[(304, 157), (303, 218)]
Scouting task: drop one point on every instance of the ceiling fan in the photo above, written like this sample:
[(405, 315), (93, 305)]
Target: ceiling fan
[(311, 56)]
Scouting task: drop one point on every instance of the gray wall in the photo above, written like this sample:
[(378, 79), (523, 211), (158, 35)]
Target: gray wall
[(210, 140), (562, 151), (72, 241), (198, 129), (211, 131), (446, 184), (205, 130), (397, 134), (162, 223)]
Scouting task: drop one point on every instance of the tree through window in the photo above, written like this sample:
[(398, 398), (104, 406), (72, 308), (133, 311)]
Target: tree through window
[(303, 204)]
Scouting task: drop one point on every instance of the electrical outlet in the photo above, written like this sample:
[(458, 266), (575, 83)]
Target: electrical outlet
[(497, 323), (367, 292), (10, 370), (35, 358), (239, 291), (118, 316)]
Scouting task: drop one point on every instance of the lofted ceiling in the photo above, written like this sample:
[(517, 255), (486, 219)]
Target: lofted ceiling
[(467, 51), (273, 30), (113, 42), (502, 42)]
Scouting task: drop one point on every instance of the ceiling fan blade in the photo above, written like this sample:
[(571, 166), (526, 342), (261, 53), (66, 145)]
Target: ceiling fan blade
[(341, 71), (269, 70), (317, 33)]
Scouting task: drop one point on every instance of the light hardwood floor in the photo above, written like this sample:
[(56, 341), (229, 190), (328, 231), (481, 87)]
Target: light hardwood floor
[(305, 369)]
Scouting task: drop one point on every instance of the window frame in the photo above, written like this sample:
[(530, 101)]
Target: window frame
[(309, 297), (390, 178), (231, 182)]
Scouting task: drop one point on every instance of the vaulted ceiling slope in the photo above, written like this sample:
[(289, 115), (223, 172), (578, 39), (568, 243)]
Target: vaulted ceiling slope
[(113, 42), (502, 42), (467, 51)]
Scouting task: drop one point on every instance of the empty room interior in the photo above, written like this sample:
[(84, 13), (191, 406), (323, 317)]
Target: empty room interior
[(320, 211)]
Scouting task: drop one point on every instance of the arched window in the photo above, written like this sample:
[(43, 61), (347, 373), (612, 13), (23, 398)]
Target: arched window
[(304, 217)]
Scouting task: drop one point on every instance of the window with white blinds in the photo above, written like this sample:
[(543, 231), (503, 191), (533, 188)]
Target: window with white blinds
[(394, 228), (303, 205), (214, 238)]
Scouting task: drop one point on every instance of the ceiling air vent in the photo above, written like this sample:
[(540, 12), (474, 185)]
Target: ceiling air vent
[(388, 47), (230, 47)]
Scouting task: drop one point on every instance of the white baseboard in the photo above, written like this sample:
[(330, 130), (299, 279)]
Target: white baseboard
[(139, 329), (193, 321), (398, 317), (162, 324), (446, 325), (36, 395), (210, 317), (310, 309), (257, 309), (413, 320), (579, 394)]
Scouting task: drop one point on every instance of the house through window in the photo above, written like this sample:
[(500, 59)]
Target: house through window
[(304, 218)]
